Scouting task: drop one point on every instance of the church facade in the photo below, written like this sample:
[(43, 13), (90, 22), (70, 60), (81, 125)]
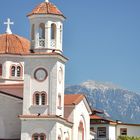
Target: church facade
[(32, 81)]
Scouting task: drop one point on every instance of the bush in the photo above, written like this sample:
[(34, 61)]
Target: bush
[(128, 138)]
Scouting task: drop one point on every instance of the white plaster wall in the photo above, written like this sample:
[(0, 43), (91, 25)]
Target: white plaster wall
[(112, 132), (132, 130), (6, 62), (64, 131), (10, 125), (80, 113), (51, 85), (49, 127)]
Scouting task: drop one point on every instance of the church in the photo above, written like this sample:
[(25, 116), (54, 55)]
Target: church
[(33, 105)]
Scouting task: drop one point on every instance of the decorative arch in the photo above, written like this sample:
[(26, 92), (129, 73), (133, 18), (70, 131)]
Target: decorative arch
[(82, 128), (60, 75)]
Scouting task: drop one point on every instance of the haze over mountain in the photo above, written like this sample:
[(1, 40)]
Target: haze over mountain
[(117, 103)]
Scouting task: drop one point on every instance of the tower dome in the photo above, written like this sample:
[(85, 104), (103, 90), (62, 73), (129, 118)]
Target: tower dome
[(46, 8), (13, 44)]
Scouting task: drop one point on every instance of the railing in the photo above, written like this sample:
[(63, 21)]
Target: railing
[(53, 43), (33, 43), (41, 42)]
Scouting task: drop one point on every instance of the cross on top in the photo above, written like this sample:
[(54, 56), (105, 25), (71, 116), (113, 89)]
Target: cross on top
[(8, 23)]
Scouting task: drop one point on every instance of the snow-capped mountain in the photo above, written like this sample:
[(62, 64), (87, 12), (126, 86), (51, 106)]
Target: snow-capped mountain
[(119, 104)]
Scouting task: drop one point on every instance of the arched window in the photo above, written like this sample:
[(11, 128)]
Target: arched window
[(18, 71), (39, 137), (13, 71), (37, 99), (53, 31), (33, 32), (43, 99), (35, 137), (81, 131), (42, 137), (42, 31), (59, 101), (60, 33), (40, 98)]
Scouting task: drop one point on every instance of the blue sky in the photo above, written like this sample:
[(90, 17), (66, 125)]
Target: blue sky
[(101, 38)]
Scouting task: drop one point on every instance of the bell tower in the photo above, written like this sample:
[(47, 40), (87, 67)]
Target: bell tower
[(46, 28), (44, 74)]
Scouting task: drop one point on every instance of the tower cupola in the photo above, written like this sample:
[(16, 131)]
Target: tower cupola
[(46, 28)]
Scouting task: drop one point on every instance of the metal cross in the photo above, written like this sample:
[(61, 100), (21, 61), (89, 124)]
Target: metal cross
[(8, 23)]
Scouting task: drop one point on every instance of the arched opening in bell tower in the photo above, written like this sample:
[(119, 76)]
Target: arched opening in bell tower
[(42, 35), (53, 35)]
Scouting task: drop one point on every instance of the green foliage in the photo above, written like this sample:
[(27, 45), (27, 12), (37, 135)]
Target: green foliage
[(128, 138)]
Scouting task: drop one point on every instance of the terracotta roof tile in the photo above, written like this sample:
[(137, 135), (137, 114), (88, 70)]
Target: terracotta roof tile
[(46, 8), (96, 117), (73, 99), (13, 44), (14, 90)]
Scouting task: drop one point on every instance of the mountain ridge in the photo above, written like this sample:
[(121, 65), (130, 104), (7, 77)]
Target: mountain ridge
[(120, 104)]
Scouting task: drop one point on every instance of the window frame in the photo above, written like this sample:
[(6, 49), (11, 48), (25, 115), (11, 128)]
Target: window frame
[(15, 73), (38, 136), (122, 133), (39, 101), (103, 131)]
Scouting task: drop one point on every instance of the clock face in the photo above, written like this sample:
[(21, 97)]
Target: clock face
[(40, 74)]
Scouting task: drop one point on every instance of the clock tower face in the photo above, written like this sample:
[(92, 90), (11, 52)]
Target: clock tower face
[(40, 74)]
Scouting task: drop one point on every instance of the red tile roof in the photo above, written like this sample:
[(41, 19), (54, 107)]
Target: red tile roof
[(14, 90), (46, 8), (13, 44), (96, 117), (73, 99)]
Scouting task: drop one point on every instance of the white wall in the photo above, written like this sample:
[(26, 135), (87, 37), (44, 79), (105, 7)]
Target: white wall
[(10, 124), (132, 130), (79, 113), (51, 85), (112, 132), (50, 128), (6, 62)]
